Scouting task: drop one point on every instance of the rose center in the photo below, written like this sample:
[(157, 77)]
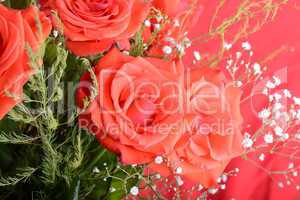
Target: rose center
[(100, 5), (141, 111), (94, 5)]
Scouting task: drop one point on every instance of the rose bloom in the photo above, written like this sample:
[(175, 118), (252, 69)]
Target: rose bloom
[(91, 27), (18, 28), (152, 111), (212, 135), (135, 113)]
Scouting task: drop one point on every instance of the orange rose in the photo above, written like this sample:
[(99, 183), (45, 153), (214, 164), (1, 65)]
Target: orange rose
[(91, 27), (135, 113), (17, 29), (212, 129), (184, 122)]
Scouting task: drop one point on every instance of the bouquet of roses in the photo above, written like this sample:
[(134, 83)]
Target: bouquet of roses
[(149, 99)]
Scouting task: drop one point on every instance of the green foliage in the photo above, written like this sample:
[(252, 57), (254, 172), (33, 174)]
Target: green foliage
[(16, 138), (21, 175), (43, 153), (18, 4), (137, 48)]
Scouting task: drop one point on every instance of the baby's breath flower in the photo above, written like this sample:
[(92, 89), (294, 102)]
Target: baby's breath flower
[(134, 191)]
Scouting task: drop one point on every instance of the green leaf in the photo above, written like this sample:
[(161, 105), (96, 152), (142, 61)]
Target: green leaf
[(22, 175), (16, 138)]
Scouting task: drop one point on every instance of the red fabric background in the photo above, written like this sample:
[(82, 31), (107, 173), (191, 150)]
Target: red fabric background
[(283, 32)]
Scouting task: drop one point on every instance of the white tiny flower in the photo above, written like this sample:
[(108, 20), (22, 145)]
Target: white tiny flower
[(268, 138), (55, 33), (197, 55), (261, 157), (277, 106), (147, 23), (96, 170), (277, 81), (238, 83), (236, 170), (167, 50), (227, 46), (188, 43), (295, 173), (271, 98), (277, 96), (297, 136), (238, 54), (200, 187), (287, 93), (297, 187), (247, 141), (158, 176), (176, 23), (270, 85), (134, 191), (229, 62), (246, 46), (296, 101), (224, 178), (291, 165), (234, 69), (265, 91), (273, 123), (278, 131), (157, 26), (280, 185), (219, 180), (178, 170), (158, 160), (285, 136), (257, 68), (277, 113), (264, 114), (223, 186), (179, 180), (112, 189), (212, 191)]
